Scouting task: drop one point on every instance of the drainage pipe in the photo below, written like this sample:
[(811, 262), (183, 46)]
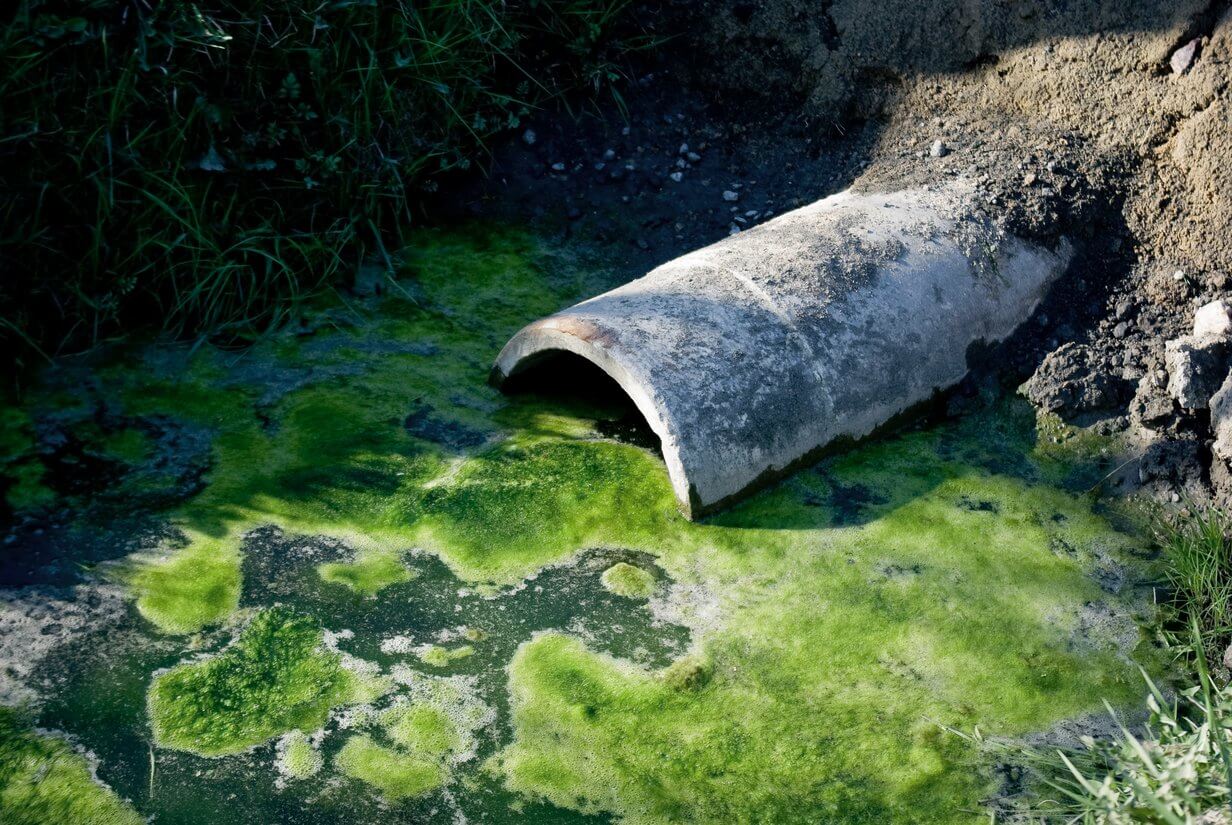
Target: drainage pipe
[(749, 356)]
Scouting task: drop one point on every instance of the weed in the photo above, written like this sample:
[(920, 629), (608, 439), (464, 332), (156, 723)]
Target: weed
[(1197, 553), (209, 166)]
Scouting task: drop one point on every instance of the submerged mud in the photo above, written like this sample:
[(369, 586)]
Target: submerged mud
[(398, 595)]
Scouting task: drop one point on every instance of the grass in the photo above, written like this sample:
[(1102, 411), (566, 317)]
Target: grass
[(212, 165), (1197, 550)]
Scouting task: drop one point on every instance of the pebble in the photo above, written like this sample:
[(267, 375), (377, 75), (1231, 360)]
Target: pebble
[(1120, 330), (677, 176), (939, 149), (693, 157), (733, 229), (529, 137), (1029, 179), (642, 244), (610, 154), (1123, 308), (730, 196), (1183, 57), (558, 167), (684, 149)]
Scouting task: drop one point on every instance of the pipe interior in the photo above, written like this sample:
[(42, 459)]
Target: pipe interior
[(570, 380)]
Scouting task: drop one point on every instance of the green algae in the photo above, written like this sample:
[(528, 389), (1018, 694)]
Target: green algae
[(438, 656), (189, 589), (628, 580), (423, 729), (951, 598), (395, 774), (297, 758), (21, 472), (370, 573), (836, 619), (274, 678), (43, 781)]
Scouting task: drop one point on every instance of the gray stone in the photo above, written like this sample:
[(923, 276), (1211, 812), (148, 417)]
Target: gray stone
[(1196, 367), (1221, 420), (821, 325), (1183, 57), (1214, 318), (939, 149)]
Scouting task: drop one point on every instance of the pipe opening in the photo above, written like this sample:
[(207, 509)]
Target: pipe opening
[(572, 382)]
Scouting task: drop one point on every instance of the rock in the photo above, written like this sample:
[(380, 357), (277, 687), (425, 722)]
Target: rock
[(1183, 57), (1214, 318), (1072, 380), (1196, 367), (558, 167), (677, 176), (1221, 420), (939, 149), (529, 137), (1123, 309), (730, 196), (1120, 330)]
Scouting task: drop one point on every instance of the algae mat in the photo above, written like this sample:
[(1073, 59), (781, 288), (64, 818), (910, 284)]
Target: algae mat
[(360, 585)]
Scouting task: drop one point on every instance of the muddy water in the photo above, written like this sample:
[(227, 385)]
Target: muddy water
[(792, 659)]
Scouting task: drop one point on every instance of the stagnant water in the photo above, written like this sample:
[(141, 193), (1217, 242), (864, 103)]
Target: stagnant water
[(362, 586)]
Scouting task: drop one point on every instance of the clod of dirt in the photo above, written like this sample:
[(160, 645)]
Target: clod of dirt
[(1073, 381)]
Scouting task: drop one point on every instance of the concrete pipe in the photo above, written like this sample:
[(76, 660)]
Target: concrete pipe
[(750, 355)]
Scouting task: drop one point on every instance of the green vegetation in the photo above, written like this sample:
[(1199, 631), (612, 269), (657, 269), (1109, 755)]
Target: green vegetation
[(43, 781), (628, 580), (274, 678), (190, 589), (393, 773), (438, 656), (423, 729), (1173, 771), (952, 594), (297, 758), (1178, 767), (371, 572), (945, 577), (208, 163), (1196, 547)]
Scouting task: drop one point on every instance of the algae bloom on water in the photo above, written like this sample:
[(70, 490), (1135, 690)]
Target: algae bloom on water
[(628, 580), (369, 573), (42, 781), (273, 679), (395, 774)]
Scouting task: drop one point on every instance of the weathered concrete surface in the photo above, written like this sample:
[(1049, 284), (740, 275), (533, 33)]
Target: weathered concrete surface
[(824, 323)]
